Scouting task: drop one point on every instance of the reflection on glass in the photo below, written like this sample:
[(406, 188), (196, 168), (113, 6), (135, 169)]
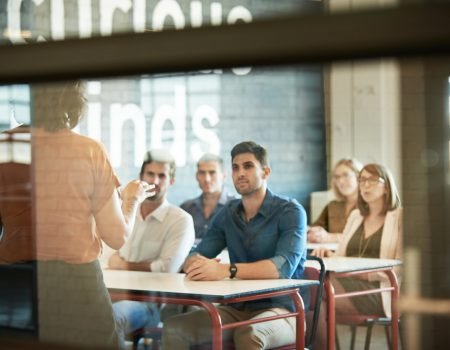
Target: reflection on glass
[(17, 282), (59, 20)]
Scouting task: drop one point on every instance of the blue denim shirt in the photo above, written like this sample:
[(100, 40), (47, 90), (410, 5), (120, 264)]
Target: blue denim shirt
[(195, 208), (277, 232)]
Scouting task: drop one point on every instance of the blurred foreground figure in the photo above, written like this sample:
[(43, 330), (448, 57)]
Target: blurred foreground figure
[(17, 270), (76, 207)]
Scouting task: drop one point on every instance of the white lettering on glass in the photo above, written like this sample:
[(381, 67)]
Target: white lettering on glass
[(119, 115), (85, 18), (57, 19), (107, 9), (139, 16), (164, 9), (94, 111), (94, 123), (167, 128), (208, 136), (176, 115), (239, 13), (216, 14), (14, 25), (196, 14)]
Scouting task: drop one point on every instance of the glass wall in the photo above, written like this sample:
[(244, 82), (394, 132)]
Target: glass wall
[(27, 21), (284, 108)]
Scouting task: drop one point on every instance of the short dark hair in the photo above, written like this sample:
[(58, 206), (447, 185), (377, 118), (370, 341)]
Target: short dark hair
[(159, 156), (257, 150)]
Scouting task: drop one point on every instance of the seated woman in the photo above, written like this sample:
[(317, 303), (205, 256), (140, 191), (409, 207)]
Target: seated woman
[(374, 230), (328, 227)]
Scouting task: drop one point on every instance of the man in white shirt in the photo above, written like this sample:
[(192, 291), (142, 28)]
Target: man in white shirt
[(162, 237)]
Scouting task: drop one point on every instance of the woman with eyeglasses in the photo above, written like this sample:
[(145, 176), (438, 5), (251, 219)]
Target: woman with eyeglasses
[(373, 230), (329, 225)]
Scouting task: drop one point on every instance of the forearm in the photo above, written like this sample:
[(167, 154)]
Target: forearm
[(333, 238), (263, 269), (129, 209), (198, 267), (118, 263), (138, 266)]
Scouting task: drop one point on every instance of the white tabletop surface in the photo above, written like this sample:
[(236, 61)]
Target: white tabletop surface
[(330, 246), (349, 264), (175, 284)]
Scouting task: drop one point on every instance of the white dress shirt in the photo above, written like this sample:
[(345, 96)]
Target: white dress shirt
[(164, 237)]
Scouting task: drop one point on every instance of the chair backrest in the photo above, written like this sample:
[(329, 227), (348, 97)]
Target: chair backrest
[(316, 292), (318, 201)]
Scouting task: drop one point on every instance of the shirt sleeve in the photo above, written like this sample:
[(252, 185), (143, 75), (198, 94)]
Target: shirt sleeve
[(291, 246), (176, 247), (214, 240)]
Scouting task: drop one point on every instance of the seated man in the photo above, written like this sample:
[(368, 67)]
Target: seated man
[(162, 237), (210, 176), (266, 239)]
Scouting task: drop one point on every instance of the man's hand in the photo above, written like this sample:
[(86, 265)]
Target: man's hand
[(199, 268), (137, 190), (116, 262)]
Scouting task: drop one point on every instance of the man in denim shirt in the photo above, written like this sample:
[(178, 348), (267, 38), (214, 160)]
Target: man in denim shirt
[(266, 239)]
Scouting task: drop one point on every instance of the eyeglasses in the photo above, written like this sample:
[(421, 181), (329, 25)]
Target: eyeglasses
[(372, 181)]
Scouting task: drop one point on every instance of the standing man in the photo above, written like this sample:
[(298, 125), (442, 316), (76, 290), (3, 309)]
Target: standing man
[(210, 176), (162, 237), (266, 239)]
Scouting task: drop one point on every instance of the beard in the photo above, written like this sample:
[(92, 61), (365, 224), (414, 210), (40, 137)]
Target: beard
[(157, 197), (247, 190)]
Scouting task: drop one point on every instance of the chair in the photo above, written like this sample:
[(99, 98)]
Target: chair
[(312, 273), (18, 300), (368, 321)]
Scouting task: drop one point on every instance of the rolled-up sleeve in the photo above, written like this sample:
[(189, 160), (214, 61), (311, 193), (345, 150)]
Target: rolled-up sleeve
[(291, 246)]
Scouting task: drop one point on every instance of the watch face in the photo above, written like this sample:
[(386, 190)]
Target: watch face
[(233, 270)]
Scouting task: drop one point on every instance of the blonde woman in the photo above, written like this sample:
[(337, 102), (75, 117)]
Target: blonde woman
[(330, 224)]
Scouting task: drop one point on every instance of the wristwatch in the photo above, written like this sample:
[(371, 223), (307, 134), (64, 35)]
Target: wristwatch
[(233, 271)]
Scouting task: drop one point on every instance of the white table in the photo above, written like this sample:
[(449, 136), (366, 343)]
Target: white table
[(177, 289), (349, 266)]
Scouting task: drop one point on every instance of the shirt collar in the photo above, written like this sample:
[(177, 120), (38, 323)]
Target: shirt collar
[(266, 205), (160, 213)]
